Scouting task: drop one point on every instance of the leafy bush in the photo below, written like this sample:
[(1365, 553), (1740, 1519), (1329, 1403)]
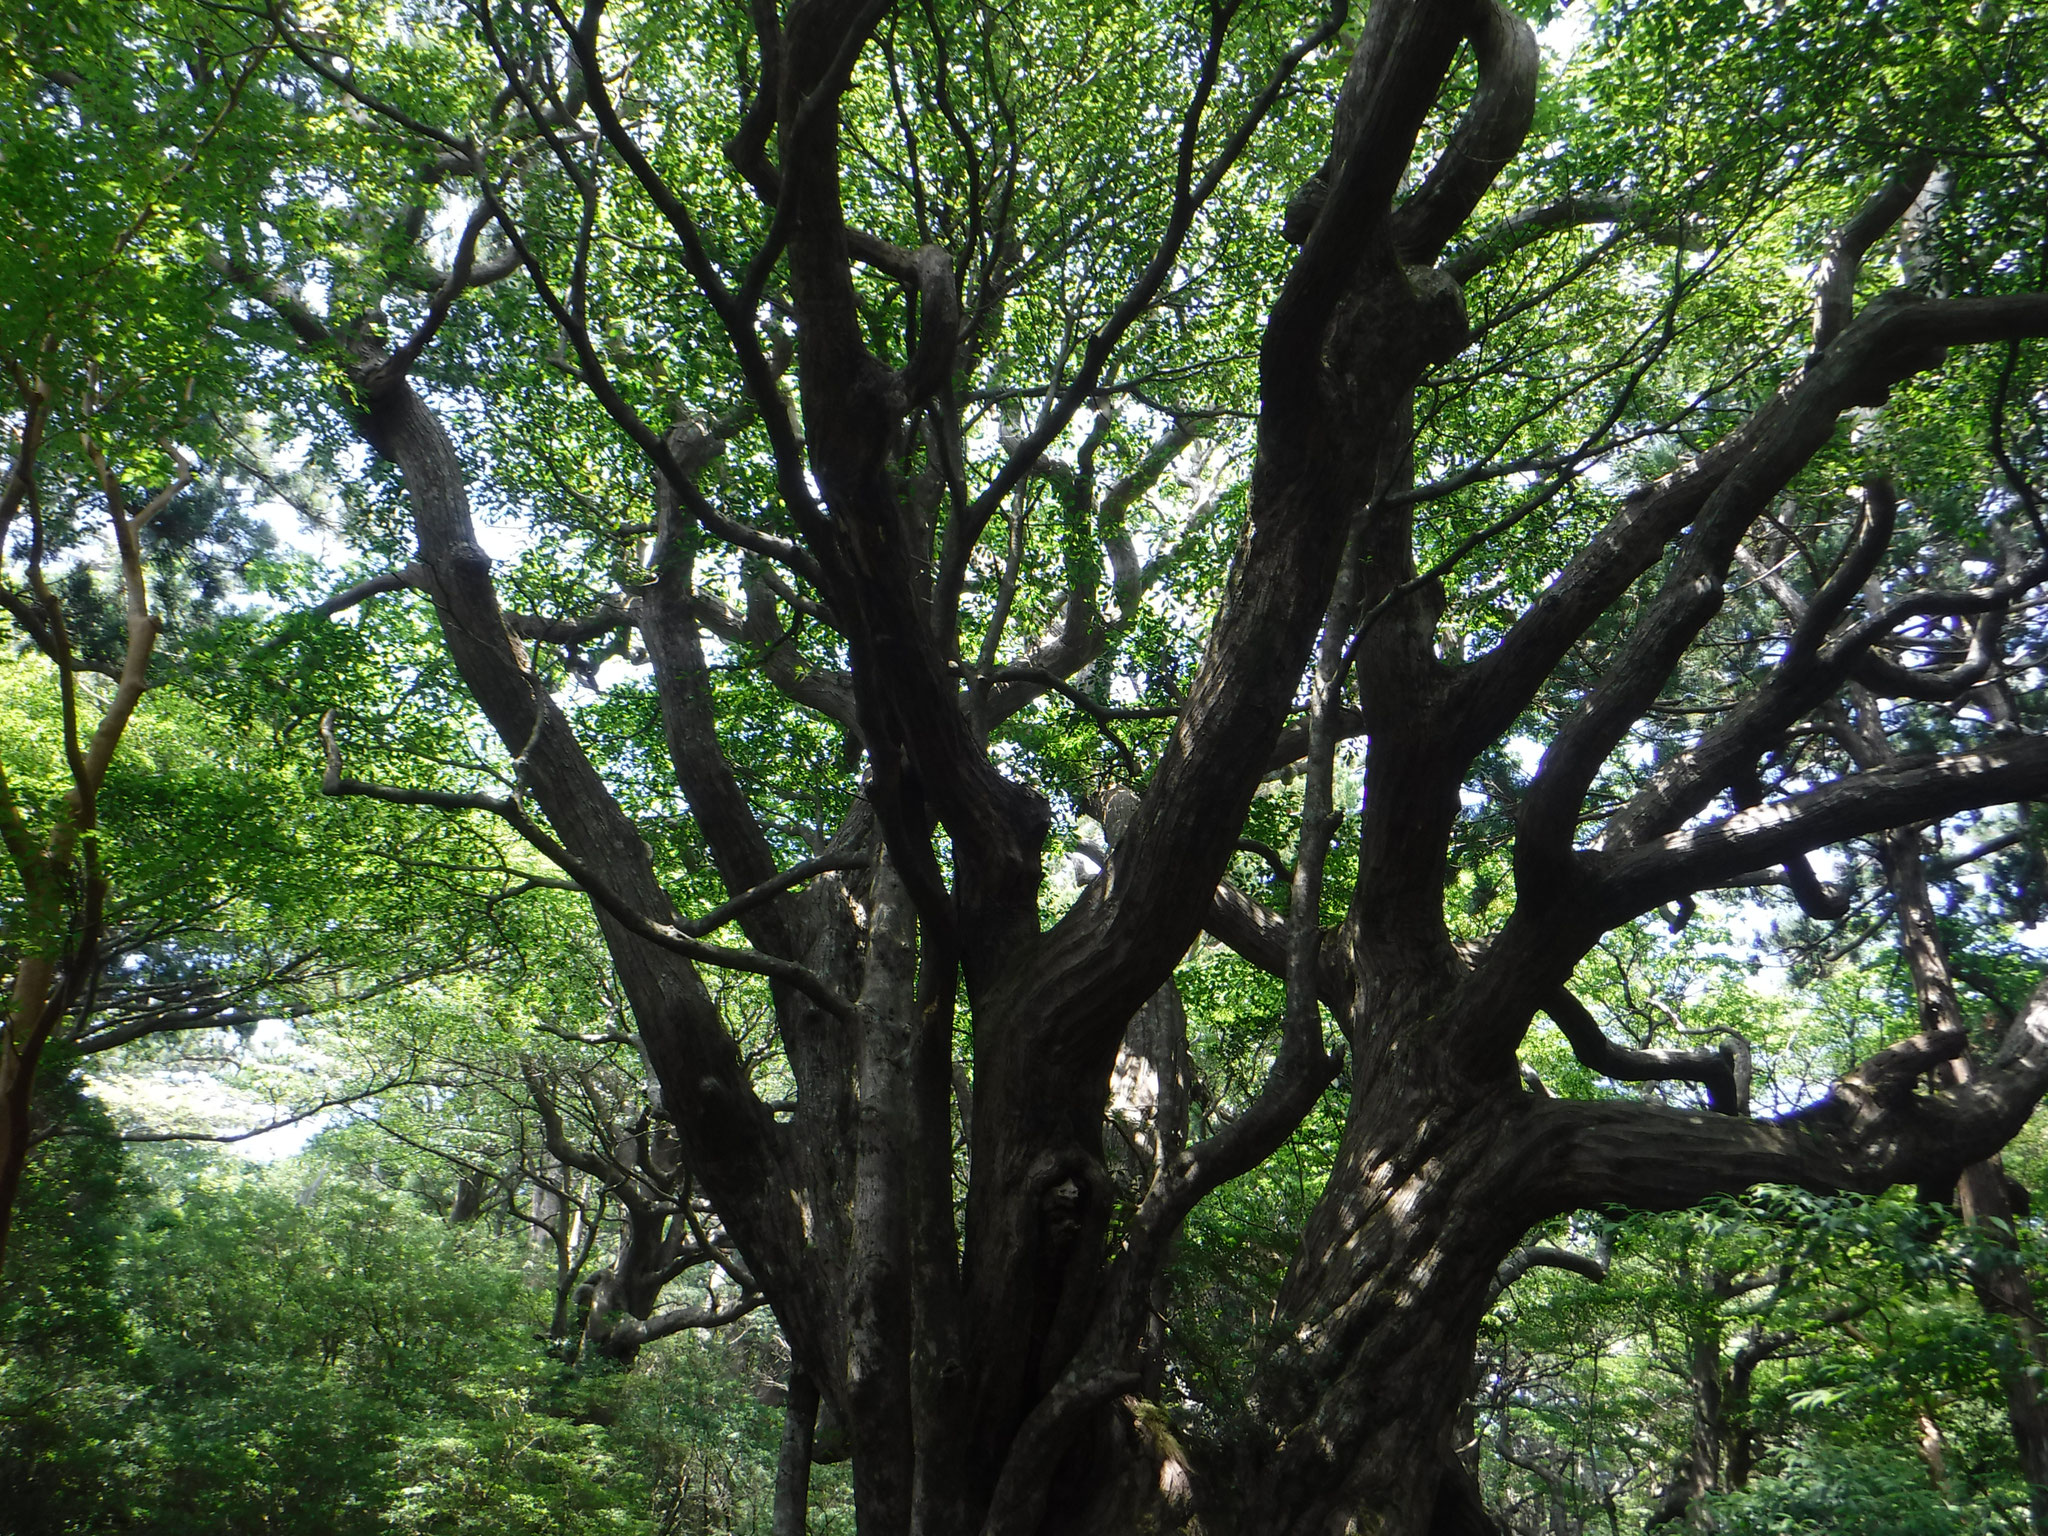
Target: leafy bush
[(1862, 1488), (225, 1348)]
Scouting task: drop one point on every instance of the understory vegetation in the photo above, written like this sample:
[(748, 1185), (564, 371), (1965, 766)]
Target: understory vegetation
[(195, 1343)]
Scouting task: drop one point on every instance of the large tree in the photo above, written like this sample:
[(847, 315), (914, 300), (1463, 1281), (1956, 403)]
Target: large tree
[(883, 385)]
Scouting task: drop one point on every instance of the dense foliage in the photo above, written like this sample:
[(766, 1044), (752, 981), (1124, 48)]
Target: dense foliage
[(197, 1344)]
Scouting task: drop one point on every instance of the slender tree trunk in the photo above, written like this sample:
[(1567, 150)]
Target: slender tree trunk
[(1999, 1280), (1704, 1462), (2005, 1291), (59, 925), (1738, 1436), (21, 1047), (793, 1469), (1932, 1454), (469, 1200), (1698, 1467)]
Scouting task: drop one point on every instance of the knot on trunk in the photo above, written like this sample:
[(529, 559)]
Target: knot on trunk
[(1304, 207), (1395, 322), (1061, 1210)]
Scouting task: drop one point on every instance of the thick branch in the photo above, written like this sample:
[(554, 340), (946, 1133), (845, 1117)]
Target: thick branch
[(1486, 139), (608, 616), (1519, 229), (1688, 781), (1852, 806), (1396, 71), (1018, 1507), (1871, 1132), (1844, 261), (1895, 337), (679, 1319), (1891, 340)]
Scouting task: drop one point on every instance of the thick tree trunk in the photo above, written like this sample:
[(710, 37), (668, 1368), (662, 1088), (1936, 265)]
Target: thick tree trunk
[(1377, 1320), (955, 1365)]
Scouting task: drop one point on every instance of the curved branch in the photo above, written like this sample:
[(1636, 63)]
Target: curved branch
[(1822, 903), (736, 320), (612, 614), (1591, 1266), (1723, 1071), (555, 1136), (1894, 338), (673, 937), (297, 316), (1872, 1131), (828, 693), (1292, 744), (1257, 934), (689, 717), (36, 402), (1395, 75), (1685, 784), (789, 879), (408, 578), (296, 1117), (597, 379), (1018, 1507), (1486, 138), (1844, 261), (677, 1319), (1302, 1068), (1530, 224), (461, 277), (1044, 679)]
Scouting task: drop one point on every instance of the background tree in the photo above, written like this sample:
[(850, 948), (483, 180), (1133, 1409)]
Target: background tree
[(548, 1128), (115, 373)]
